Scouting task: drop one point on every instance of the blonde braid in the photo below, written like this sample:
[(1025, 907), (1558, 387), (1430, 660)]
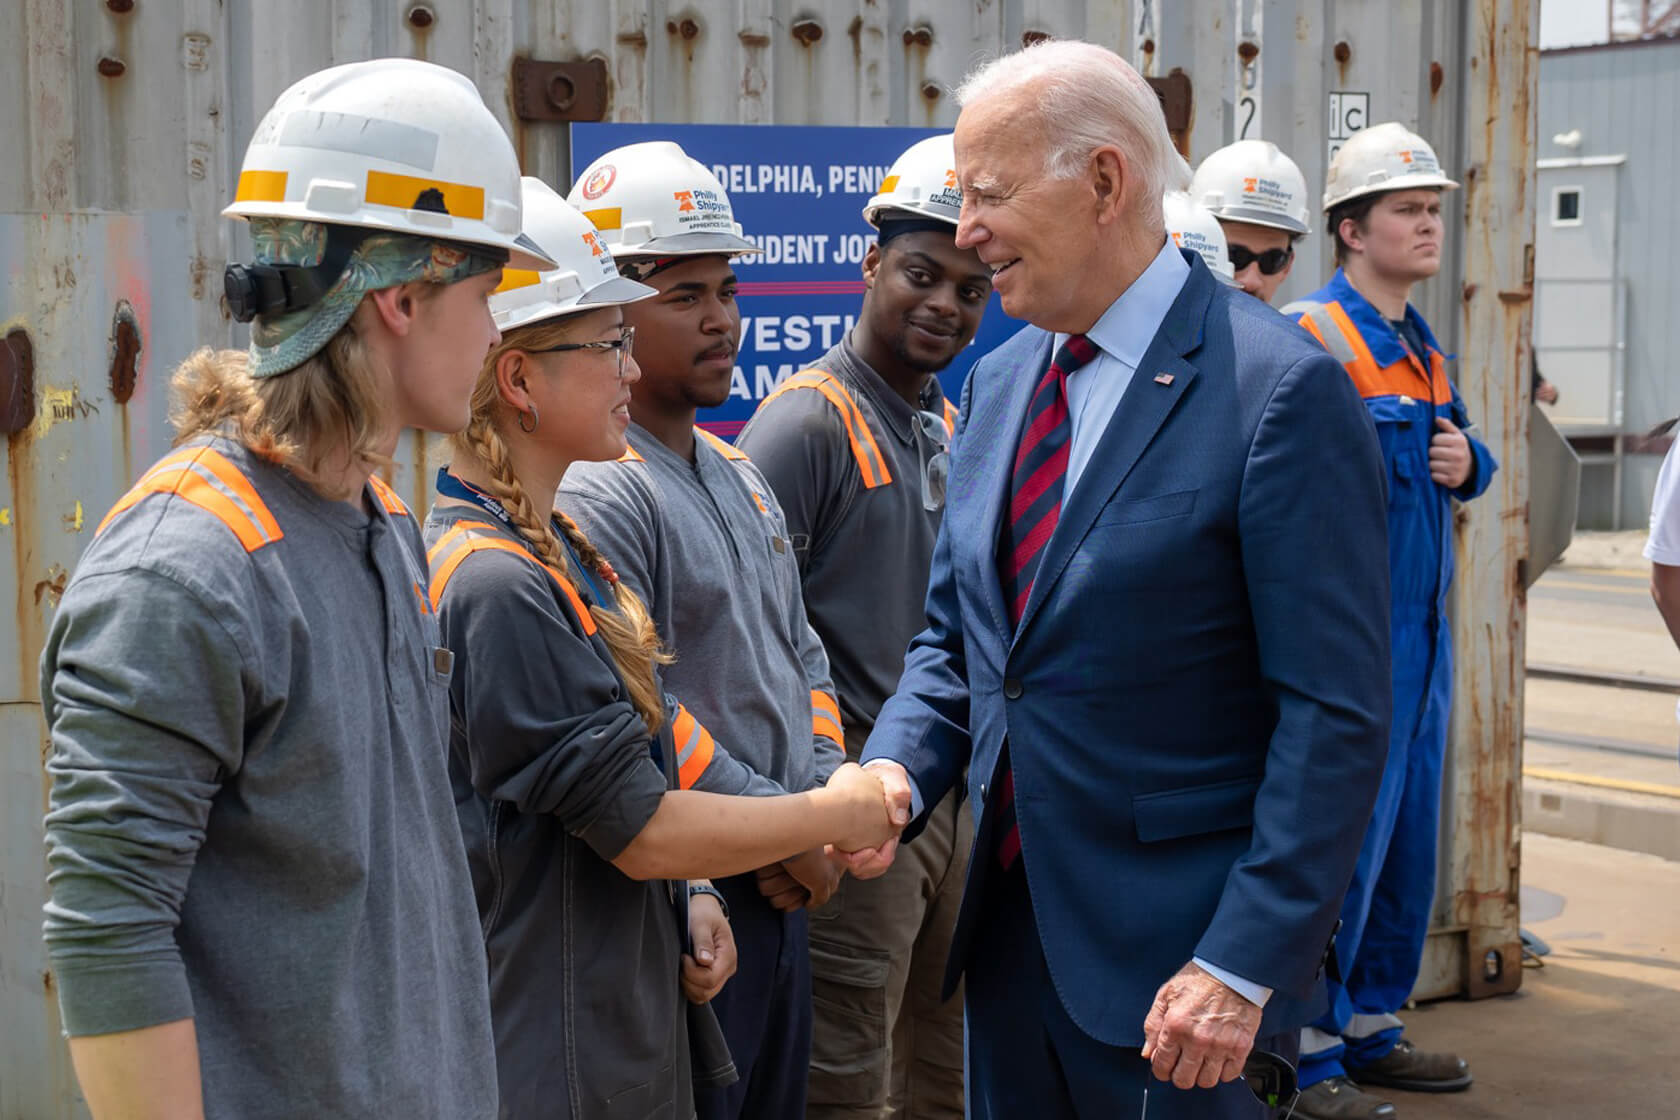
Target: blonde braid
[(629, 632)]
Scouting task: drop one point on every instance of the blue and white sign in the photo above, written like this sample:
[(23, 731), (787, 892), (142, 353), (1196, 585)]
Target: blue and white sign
[(798, 192)]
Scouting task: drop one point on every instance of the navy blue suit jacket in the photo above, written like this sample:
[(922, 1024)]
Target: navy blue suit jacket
[(1196, 701)]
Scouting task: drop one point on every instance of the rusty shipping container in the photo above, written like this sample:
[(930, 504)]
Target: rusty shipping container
[(124, 121)]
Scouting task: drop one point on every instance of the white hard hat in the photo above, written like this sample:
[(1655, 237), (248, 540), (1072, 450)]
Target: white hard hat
[(585, 278), (922, 182), (653, 199), (390, 144), (1252, 181), (1384, 157), (1192, 226)]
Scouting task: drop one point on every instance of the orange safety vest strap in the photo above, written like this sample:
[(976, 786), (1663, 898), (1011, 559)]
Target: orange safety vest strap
[(871, 463), (1332, 325), (387, 496), (950, 418), (825, 716), (465, 542), (631, 455), (694, 745), (207, 479), (727, 450)]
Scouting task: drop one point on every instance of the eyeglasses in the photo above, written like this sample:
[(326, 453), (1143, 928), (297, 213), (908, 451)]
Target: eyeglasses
[(936, 464), (622, 344), (1271, 262)]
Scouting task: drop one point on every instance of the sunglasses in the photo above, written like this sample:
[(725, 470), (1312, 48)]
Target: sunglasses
[(1271, 262), (622, 344)]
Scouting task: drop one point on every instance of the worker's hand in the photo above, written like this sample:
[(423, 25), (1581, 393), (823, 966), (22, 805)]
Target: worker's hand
[(784, 891), (1546, 392), (1450, 461), (1199, 1031), (817, 872), (873, 860), (712, 963), (871, 818)]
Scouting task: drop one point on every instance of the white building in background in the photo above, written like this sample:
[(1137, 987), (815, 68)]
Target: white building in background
[(1607, 231)]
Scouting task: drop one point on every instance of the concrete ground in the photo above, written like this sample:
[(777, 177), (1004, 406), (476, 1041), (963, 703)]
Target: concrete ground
[(1600, 763), (1591, 1034)]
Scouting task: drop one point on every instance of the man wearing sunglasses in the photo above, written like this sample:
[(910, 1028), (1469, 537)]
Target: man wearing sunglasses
[(1260, 199), (857, 451), (692, 526)]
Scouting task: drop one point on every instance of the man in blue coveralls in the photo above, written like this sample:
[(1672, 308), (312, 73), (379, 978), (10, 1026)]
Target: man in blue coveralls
[(1383, 200)]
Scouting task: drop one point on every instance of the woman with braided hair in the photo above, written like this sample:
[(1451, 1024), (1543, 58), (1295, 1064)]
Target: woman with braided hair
[(586, 795)]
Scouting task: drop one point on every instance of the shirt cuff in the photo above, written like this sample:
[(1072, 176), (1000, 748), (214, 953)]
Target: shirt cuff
[(915, 791), (1257, 994)]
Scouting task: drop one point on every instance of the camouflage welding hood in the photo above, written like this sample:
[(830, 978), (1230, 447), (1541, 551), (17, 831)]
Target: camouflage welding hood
[(283, 342)]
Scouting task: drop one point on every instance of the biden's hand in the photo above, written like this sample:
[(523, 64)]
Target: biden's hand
[(1199, 1032)]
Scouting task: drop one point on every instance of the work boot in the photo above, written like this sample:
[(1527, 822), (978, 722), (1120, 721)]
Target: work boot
[(1337, 1098), (1418, 1071)]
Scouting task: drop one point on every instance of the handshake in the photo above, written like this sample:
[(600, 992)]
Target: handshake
[(875, 807), (864, 810)]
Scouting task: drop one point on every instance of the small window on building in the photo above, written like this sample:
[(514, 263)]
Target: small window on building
[(1566, 206)]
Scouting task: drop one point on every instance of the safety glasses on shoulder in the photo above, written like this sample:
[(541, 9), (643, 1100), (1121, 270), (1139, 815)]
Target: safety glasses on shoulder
[(1271, 262), (622, 344), (934, 438)]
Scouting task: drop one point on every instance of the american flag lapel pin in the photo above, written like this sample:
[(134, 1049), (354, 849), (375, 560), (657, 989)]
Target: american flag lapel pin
[(1163, 379)]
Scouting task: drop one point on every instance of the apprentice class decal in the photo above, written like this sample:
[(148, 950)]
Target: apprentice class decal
[(600, 181)]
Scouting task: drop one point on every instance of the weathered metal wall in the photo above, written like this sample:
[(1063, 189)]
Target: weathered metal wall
[(123, 123), (1622, 98)]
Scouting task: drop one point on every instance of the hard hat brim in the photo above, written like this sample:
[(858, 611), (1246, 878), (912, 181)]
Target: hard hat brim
[(688, 245), (874, 214), (1271, 219), (521, 250), (614, 292), (1389, 186)]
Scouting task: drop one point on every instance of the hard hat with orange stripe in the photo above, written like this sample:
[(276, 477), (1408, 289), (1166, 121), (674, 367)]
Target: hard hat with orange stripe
[(922, 182), (392, 144), (654, 200), (584, 278)]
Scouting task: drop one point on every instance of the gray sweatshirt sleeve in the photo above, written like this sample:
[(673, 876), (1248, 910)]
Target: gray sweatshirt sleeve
[(140, 745), (546, 723), (704, 764), (827, 747)]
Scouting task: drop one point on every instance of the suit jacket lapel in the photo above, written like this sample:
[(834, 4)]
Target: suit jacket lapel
[(1142, 410), (1010, 408)]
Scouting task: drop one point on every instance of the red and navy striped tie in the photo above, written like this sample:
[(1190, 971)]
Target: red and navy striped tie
[(1035, 502)]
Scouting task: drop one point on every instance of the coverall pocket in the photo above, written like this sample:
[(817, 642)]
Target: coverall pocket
[(1405, 448), (849, 1029)]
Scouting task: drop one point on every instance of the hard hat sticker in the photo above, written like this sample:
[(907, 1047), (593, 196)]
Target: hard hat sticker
[(600, 181)]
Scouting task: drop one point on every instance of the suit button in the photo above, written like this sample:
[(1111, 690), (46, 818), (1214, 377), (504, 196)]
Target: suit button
[(1012, 688), (982, 791)]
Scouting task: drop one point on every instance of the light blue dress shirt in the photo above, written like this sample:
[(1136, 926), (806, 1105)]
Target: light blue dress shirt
[(1122, 334)]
